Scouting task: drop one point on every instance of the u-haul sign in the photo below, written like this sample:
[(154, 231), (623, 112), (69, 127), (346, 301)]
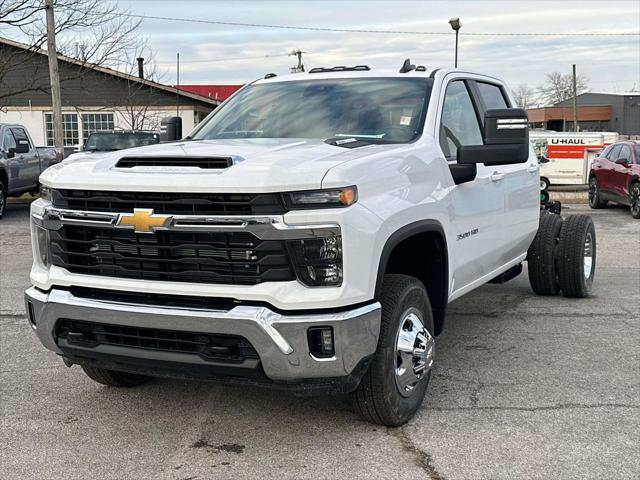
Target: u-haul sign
[(572, 147), (568, 153)]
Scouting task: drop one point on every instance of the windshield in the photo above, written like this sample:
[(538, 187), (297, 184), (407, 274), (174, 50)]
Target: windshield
[(102, 142), (377, 110)]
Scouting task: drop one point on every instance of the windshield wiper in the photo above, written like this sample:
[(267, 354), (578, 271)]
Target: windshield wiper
[(347, 142), (379, 136)]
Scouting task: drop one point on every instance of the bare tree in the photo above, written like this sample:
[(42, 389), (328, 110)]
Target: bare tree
[(135, 104), (525, 96), (93, 32), (559, 87)]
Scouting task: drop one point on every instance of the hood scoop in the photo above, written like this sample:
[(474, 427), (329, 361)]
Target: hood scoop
[(207, 163)]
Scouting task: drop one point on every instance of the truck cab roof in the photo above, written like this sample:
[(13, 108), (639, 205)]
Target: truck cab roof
[(321, 73)]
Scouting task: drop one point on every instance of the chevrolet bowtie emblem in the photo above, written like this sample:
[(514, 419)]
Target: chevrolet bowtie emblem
[(143, 220)]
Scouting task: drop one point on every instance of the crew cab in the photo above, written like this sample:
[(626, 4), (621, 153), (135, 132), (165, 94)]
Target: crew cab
[(308, 235), (615, 177), (21, 163)]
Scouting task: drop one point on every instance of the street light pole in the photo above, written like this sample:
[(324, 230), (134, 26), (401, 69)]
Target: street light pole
[(455, 25)]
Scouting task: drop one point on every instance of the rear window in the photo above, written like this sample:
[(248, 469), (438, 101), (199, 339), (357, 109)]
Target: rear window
[(492, 95)]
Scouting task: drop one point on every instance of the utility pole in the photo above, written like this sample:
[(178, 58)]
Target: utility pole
[(575, 100), (56, 101), (177, 84), (300, 67)]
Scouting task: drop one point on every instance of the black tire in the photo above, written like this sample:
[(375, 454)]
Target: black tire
[(378, 398), (595, 201), (634, 199), (544, 184), (575, 271), (113, 378), (3, 198), (541, 256)]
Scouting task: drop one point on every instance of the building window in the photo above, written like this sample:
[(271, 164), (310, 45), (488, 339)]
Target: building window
[(96, 122), (69, 127)]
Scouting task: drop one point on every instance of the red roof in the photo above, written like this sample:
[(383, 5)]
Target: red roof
[(216, 92)]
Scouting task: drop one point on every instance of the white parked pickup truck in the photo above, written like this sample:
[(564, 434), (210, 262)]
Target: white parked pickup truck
[(308, 235)]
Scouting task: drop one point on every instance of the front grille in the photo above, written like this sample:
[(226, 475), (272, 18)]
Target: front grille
[(219, 348), (171, 203), (156, 299), (195, 257), (198, 162)]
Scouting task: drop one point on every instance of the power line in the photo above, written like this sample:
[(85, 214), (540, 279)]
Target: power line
[(393, 32), (230, 59)]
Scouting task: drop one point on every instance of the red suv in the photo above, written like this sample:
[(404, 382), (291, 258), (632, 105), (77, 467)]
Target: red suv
[(615, 177)]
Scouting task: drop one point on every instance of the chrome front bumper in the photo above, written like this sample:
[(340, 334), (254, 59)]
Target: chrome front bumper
[(280, 340)]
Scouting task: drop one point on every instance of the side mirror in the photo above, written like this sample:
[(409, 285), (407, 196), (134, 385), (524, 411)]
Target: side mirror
[(22, 146), (543, 159), (623, 161), (11, 152), (506, 139), (170, 129)]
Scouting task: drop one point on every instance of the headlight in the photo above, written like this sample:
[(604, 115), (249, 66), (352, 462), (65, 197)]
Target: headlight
[(317, 261), (332, 198), (45, 193), (42, 242)]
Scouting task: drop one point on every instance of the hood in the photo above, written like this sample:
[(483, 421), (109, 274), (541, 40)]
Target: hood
[(259, 165)]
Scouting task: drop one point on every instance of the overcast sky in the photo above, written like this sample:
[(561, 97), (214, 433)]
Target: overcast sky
[(610, 63)]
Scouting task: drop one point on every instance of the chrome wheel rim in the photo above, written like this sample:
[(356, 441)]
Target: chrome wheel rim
[(1, 198), (415, 348), (588, 256)]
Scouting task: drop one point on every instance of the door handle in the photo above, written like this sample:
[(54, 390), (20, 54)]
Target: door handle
[(533, 168), (497, 176)]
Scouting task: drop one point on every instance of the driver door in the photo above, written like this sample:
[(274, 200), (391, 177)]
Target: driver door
[(476, 207)]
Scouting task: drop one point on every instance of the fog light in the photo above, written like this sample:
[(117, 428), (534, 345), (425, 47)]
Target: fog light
[(321, 342)]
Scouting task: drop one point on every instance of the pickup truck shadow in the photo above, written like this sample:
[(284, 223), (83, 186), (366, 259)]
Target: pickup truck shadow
[(460, 347)]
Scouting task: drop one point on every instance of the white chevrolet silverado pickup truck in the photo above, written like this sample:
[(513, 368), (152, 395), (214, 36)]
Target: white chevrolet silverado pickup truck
[(308, 235)]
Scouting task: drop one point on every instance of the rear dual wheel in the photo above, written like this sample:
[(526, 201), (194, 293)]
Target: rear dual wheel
[(577, 256), (562, 256), (543, 274)]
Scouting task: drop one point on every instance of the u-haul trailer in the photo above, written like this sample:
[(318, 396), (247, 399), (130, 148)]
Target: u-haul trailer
[(569, 154)]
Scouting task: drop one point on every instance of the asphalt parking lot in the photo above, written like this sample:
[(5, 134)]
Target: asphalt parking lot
[(524, 387)]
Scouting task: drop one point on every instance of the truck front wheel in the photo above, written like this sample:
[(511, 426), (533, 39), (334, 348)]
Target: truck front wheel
[(393, 388), (113, 378)]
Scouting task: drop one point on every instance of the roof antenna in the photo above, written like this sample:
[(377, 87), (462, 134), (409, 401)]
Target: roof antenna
[(407, 66)]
